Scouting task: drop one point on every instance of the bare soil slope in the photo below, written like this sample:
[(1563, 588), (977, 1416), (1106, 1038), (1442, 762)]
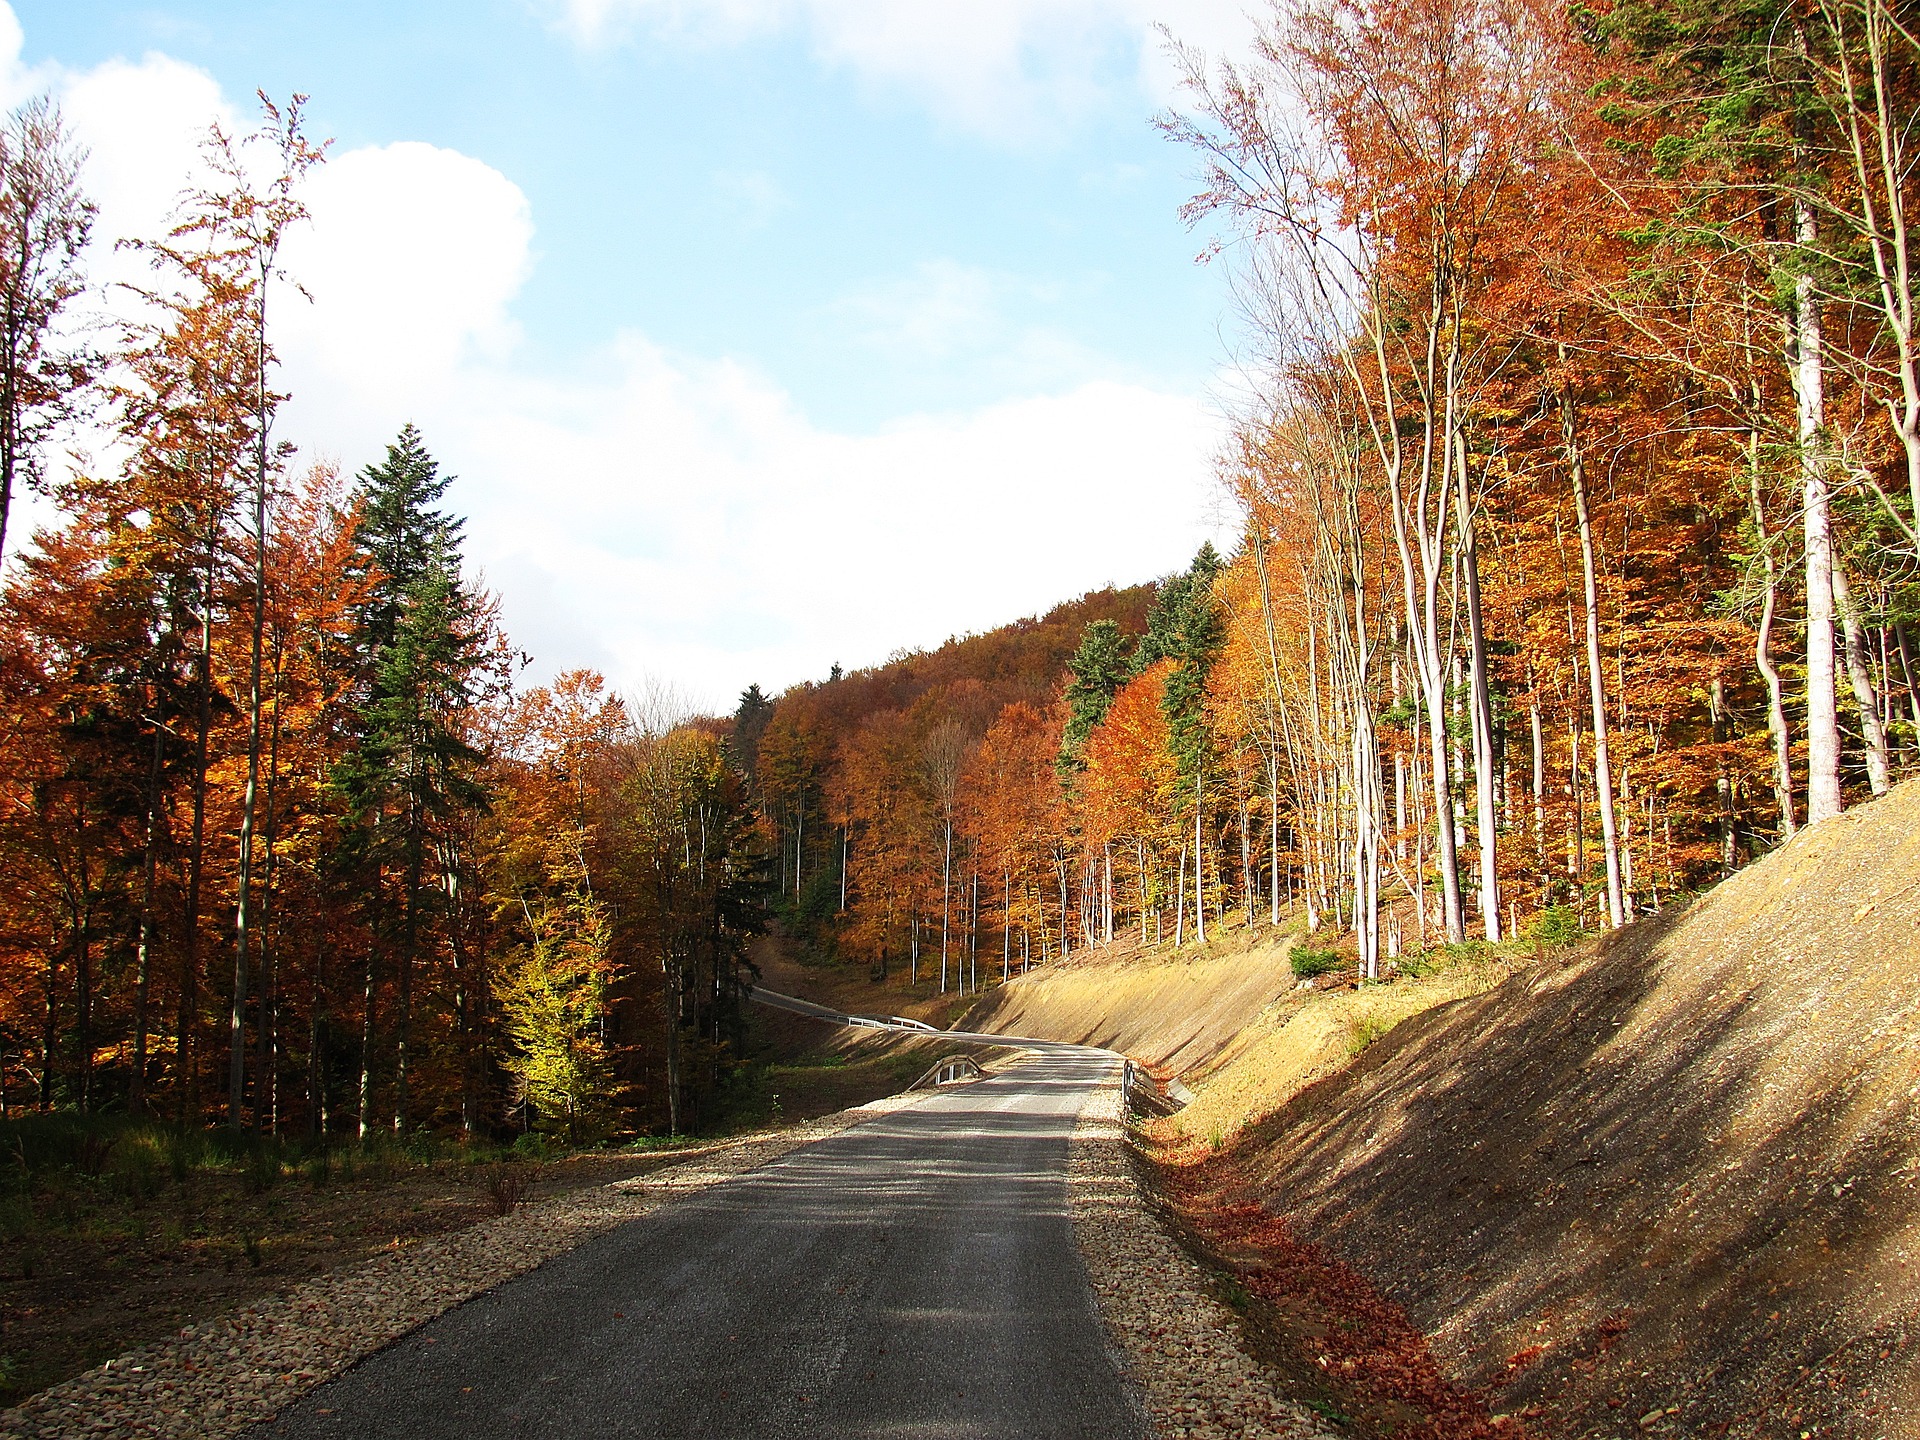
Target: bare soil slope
[(1667, 1186), (1171, 1012)]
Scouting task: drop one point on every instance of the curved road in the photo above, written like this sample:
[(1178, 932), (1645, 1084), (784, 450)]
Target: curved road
[(915, 1275)]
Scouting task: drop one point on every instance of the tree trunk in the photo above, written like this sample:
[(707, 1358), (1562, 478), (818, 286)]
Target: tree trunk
[(1060, 868), (1872, 734), (946, 900), (186, 1079), (670, 1001), (1907, 680), (1540, 805), (1481, 701), (1180, 903), (143, 950), (409, 944), (1596, 681), (267, 1068), (366, 1049), (1823, 721), (1763, 648), (1106, 895), (1199, 867), (83, 983), (973, 922)]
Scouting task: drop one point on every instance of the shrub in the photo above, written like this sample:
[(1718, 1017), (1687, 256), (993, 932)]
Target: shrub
[(138, 1166), (1557, 925), (507, 1187), (1308, 962), (229, 1146), (1415, 964), (263, 1169), (380, 1156), (36, 1145), (186, 1153), (1363, 1030), (90, 1151)]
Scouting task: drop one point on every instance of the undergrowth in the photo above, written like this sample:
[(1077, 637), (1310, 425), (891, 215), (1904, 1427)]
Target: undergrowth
[(67, 1173)]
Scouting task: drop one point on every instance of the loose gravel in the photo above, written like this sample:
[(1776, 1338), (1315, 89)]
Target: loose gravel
[(1175, 1339), (215, 1379)]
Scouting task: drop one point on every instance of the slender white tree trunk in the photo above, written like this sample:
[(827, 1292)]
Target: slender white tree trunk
[(1763, 648), (1540, 803), (1180, 903), (1823, 720), (1872, 733), (1199, 867), (1596, 680), (1481, 701)]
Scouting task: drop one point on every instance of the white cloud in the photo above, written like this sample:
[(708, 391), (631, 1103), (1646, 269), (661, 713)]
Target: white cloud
[(663, 515), (1010, 69), (142, 124), (683, 519), (412, 258)]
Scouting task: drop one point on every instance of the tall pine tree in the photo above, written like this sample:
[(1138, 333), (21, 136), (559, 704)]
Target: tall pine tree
[(1185, 626), (411, 770), (1098, 669)]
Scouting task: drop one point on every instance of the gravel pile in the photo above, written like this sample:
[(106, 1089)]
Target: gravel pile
[(1175, 1339), (216, 1378)]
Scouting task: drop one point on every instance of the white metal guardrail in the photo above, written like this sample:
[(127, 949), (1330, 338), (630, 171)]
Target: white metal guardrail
[(950, 1071)]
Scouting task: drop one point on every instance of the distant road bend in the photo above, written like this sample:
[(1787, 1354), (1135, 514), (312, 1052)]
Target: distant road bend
[(913, 1276)]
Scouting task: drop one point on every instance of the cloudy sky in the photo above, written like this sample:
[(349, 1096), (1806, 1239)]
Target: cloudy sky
[(761, 333)]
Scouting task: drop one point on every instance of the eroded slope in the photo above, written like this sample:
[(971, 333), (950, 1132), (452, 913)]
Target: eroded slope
[(1675, 1173)]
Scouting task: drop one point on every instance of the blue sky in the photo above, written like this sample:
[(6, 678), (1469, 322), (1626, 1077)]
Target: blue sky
[(720, 295)]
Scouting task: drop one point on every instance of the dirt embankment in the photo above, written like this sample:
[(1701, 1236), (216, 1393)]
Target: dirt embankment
[(1174, 1013), (1667, 1186)]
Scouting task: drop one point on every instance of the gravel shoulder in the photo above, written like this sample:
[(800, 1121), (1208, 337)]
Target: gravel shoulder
[(1175, 1340), (217, 1378)]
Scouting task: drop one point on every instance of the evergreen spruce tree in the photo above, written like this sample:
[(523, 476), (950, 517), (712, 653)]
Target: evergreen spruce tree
[(1184, 626), (749, 724), (1098, 669), (410, 770)]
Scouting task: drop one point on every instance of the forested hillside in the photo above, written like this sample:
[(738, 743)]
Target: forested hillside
[(1578, 468), (1577, 459), (288, 842)]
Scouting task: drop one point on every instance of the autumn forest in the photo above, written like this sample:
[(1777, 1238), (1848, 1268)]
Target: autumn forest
[(1575, 461)]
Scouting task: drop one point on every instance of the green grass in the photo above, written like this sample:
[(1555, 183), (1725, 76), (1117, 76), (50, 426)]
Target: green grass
[(1308, 962), (1363, 1030), (1327, 1410)]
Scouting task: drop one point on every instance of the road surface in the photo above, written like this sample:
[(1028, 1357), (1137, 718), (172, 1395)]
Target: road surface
[(913, 1276)]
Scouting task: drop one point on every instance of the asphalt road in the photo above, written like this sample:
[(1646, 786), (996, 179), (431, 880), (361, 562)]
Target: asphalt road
[(913, 1276)]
